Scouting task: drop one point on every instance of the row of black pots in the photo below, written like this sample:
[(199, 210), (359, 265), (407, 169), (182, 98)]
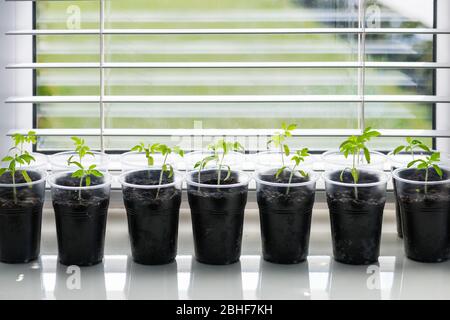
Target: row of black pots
[(217, 212)]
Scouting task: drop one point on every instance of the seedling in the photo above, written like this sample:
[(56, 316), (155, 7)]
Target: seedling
[(165, 151), (298, 158), (411, 145), (427, 163), (18, 157), (279, 138), (219, 150), (355, 145), (82, 173)]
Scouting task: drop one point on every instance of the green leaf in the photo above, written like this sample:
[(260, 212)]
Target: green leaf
[(438, 170), (2, 171), (398, 149), (280, 171), (436, 156), (412, 163), (303, 173), (286, 150), (291, 127), (96, 173), (424, 147), (88, 180), (137, 148), (78, 174), (367, 154), (26, 176)]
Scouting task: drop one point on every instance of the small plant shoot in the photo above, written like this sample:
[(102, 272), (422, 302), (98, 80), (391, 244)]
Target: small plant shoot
[(426, 164), (411, 146), (165, 151), (278, 140), (83, 173), (219, 150), (298, 157), (18, 157), (355, 146)]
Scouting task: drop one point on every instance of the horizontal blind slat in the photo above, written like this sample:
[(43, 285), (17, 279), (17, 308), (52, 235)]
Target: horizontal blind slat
[(229, 132), (232, 99)]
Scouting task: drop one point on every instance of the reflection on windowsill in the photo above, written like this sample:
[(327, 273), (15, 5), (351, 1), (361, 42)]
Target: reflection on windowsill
[(118, 277)]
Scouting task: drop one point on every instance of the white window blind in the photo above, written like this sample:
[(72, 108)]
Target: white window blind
[(146, 70)]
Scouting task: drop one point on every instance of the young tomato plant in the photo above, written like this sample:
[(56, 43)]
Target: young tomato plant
[(219, 150), (279, 138), (298, 158), (411, 145), (355, 145), (426, 164), (82, 173), (18, 157), (165, 152)]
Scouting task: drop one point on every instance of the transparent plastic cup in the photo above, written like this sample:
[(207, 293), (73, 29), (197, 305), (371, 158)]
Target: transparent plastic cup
[(285, 211), (334, 159), (217, 213), (40, 163), (235, 160), (153, 214), (425, 213), (21, 216), (58, 161), (81, 214), (136, 160), (356, 214), (271, 159), (401, 160)]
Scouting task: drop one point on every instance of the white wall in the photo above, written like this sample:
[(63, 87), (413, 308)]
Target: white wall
[(14, 16), (7, 52)]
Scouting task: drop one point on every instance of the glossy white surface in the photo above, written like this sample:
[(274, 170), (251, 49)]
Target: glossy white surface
[(394, 277)]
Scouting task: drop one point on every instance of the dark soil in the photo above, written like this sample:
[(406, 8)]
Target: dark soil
[(356, 222), (20, 220), (285, 218), (80, 223), (26, 197), (425, 216), (152, 218), (217, 218)]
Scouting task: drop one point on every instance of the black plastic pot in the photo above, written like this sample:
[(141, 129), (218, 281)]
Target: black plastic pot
[(217, 213), (285, 213), (425, 209), (153, 212), (356, 214), (21, 216), (81, 214)]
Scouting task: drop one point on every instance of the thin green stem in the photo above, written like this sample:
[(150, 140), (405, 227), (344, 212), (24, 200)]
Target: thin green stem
[(13, 175), (79, 191), (426, 180), (290, 179), (161, 175), (220, 169), (282, 154)]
